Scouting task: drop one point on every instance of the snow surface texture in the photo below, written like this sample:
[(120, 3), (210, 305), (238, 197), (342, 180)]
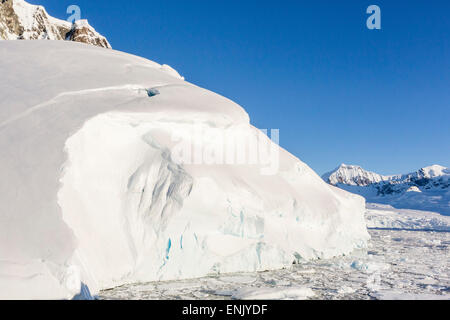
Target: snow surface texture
[(427, 189), (405, 263), (90, 196)]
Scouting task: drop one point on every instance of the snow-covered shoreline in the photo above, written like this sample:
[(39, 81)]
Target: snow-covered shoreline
[(379, 216)]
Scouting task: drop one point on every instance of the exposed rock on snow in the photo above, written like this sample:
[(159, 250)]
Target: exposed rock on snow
[(20, 20), (91, 197), (426, 189), (81, 31)]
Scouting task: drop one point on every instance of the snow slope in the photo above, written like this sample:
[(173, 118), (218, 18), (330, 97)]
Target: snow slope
[(92, 197), (427, 189)]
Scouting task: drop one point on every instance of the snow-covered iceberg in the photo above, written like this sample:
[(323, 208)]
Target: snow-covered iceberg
[(92, 194)]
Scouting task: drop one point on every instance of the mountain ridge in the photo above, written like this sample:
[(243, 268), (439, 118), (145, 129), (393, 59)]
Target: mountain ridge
[(20, 20), (425, 189), (344, 174)]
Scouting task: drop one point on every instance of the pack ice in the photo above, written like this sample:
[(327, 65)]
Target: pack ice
[(91, 196)]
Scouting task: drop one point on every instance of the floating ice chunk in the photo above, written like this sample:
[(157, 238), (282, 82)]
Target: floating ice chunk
[(244, 279), (400, 295), (306, 271), (369, 267), (280, 293), (346, 290)]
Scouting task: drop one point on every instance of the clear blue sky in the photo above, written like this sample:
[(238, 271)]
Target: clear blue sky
[(337, 91)]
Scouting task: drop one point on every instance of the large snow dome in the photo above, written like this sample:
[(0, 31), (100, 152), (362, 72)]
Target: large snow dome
[(94, 192)]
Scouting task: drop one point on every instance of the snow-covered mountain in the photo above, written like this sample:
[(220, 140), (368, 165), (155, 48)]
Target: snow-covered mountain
[(91, 191), (426, 189), (352, 175), (20, 20)]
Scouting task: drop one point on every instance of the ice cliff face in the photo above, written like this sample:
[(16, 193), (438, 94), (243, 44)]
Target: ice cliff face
[(93, 194), (20, 20), (425, 189)]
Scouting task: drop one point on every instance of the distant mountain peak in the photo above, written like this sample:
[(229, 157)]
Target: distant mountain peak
[(425, 189), (20, 20), (434, 171), (352, 175)]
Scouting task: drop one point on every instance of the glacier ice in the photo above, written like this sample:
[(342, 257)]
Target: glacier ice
[(92, 198)]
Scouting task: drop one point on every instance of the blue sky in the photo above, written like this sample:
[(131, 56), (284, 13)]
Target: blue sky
[(337, 91)]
